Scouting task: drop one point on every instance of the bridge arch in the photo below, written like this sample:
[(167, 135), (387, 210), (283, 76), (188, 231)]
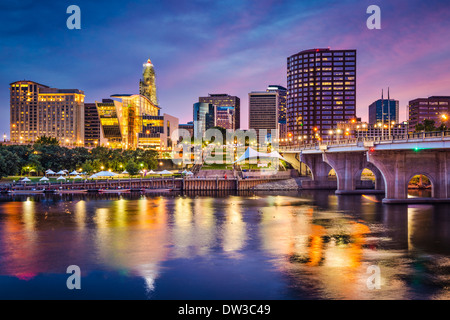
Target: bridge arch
[(425, 174), (380, 182)]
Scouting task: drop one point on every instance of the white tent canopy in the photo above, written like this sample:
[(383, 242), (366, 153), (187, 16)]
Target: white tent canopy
[(104, 174), (164, 172), (61, 178), (50, 171), (275, 154), (26, 179), (61, 172), (151, 172), (74, 173), (77, 177), (125, 172), (251, 153), (44, 179)]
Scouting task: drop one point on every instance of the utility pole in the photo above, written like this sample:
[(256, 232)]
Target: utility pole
[(389, 114), (382, 115)]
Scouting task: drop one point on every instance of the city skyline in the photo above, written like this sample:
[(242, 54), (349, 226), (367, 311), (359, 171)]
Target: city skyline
[(196, 54)]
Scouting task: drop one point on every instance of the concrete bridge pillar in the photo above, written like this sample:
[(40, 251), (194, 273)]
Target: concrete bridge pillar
[(345, 164), (398, 167), (319, 169), (348, 167)]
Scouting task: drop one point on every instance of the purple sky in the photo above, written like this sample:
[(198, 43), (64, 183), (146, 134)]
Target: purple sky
[(235, 47)]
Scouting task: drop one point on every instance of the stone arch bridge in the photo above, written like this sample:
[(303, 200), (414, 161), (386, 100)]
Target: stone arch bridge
[(393, 160)]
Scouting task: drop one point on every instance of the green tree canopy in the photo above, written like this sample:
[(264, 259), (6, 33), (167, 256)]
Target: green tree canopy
[(47, 140), (132, 168)]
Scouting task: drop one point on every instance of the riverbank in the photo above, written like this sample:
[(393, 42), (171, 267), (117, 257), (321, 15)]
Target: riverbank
[(287, 184)]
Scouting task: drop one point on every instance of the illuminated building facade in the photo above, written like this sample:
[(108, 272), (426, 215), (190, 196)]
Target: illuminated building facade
[(37, 110), (321, 92), (130, 121), (263, 113), (357, 129), (91, 125), (110, 115), (147, 85), (157, 131), (134, 122), (381, 110), (121, 121), (225, 117), (204, 118), (187, 126), (435, 108), (227, 105), (282, 95)]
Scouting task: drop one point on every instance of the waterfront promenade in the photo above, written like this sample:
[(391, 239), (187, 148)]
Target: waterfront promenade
[(181, 184)]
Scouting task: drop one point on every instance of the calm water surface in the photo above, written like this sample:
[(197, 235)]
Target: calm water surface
[(308, 245)]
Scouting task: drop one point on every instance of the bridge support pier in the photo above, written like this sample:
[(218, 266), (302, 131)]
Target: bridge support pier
[(319, 171), (400, 166), (348, 167)]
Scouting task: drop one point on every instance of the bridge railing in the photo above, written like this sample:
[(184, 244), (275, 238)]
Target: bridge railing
[(418, 136)]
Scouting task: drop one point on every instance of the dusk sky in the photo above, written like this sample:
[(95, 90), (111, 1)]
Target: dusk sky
[(235, 47)]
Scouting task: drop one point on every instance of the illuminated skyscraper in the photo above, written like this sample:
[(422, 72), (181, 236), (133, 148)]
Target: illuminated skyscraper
[(130, 121), (38, 110), (321, 87), (228, 115), (147, 86)]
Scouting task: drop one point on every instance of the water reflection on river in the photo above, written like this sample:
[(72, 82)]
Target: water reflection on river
[(311, 245)]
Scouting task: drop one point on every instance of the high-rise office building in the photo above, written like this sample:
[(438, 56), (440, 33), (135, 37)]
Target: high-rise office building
[(121, 120), (204, 118), (263, 114), (37, 110), (282, 95), (228, 104), (435, 108), (187, 126), (381, 110), (91, 125), (321, 92), (157, 131), (130, 121), (225, 117), (147, 85)]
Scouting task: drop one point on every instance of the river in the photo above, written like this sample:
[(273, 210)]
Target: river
[(263, 245)]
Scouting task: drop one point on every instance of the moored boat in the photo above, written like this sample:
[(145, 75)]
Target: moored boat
[(114, 190), (158, 190), (26, 191), (72, 191)]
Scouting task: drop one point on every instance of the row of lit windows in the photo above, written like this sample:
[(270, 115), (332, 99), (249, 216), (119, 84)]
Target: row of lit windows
[(323, 58), (321, 53), (433, 103), (325, 74)]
